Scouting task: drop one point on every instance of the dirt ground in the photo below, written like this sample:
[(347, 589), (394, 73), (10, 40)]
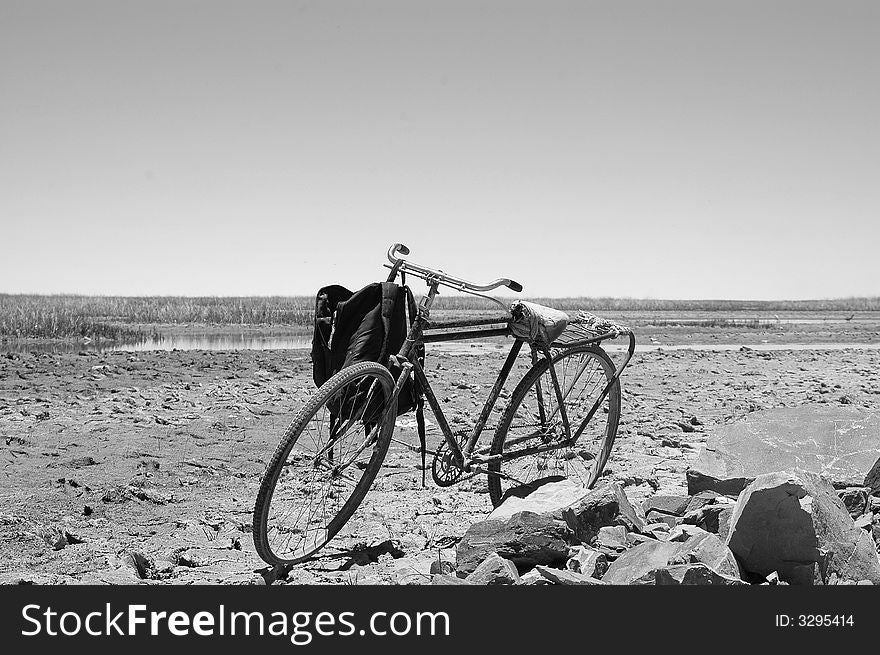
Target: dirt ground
[(143, 467)]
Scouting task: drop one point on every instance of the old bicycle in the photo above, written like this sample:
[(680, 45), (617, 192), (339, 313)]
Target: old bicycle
[(560, 421)]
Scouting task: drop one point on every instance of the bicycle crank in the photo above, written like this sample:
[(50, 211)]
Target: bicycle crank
[(447, 467)]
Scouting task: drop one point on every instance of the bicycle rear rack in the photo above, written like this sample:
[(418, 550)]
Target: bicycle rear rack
[(586, 328)]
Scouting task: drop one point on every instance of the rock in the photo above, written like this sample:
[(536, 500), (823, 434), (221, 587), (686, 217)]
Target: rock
[(605, 506), (54, 536), (566, 577), (634, 539), (494, 570), (115, 494), (443, 579), (864, 521), (840, 443), (191, 558), (525, 538), (706, 548), (637, 565), (587, 561), (533, 577), (584, 510), (121, 494), (669, 520), (682, 533), (612, 538), (711, 518), (700, 479), (675, 505), (163, 567), (773, 579), (724, 516), (80, 462), (855, 499), (796, 524), (693, 574), (137, 562), (143, 492), (691, 545), (658, 530), (703, 498), (548, 497)]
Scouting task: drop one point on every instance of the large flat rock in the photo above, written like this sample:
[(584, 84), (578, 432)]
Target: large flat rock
[(550, 498), (842, 444)]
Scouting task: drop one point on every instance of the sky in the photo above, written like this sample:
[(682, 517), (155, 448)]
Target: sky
[(675, 149)]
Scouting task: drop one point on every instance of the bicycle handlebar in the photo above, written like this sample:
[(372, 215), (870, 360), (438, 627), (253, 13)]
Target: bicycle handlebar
[(445, 278)]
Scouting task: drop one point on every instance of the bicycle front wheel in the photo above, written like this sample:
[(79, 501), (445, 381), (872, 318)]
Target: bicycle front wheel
[(325, 464), (530, 438)]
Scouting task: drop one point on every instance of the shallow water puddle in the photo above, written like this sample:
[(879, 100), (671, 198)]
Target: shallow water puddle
[(263, 342)]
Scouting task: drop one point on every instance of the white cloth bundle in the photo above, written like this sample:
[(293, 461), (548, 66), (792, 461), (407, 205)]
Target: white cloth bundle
[(536, 323)]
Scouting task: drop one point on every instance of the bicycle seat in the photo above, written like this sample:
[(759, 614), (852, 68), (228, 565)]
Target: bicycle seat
[(536, 323)]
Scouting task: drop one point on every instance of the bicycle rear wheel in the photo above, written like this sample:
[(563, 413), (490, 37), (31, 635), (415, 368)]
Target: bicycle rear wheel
[(324, 465), (532, 423)]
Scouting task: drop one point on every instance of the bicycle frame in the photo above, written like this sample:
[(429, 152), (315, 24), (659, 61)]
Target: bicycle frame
[(465, 456), (408, 352)]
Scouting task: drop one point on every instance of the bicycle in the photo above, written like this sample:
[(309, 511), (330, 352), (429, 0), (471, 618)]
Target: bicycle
[(332, 452)]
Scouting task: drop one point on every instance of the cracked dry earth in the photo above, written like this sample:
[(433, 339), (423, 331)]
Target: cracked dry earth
[(143, 467)]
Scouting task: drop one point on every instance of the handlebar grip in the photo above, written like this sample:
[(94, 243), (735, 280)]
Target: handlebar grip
[(514, 286), (394, 249)]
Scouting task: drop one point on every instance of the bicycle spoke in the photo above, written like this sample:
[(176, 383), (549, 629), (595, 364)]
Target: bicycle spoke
[(534, 444), (322, 479)]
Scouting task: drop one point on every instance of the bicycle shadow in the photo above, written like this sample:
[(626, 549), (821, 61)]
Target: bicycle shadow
[(361, 554)]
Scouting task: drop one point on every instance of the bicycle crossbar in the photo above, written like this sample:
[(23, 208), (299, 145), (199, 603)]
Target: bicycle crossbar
[(465, 334), (470, 322)]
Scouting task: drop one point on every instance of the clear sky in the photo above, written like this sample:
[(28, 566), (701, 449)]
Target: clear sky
[(674, 149)]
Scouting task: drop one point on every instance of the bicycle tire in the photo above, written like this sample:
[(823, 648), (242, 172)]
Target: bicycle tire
[(337, 389), (610, 409)]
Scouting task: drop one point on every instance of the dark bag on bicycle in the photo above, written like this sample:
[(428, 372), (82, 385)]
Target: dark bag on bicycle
[(364, 326)]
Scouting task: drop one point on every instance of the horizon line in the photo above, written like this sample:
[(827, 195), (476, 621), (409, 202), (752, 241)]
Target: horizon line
[(523, 296)]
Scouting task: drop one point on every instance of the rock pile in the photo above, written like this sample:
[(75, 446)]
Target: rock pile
[(781, 528)]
